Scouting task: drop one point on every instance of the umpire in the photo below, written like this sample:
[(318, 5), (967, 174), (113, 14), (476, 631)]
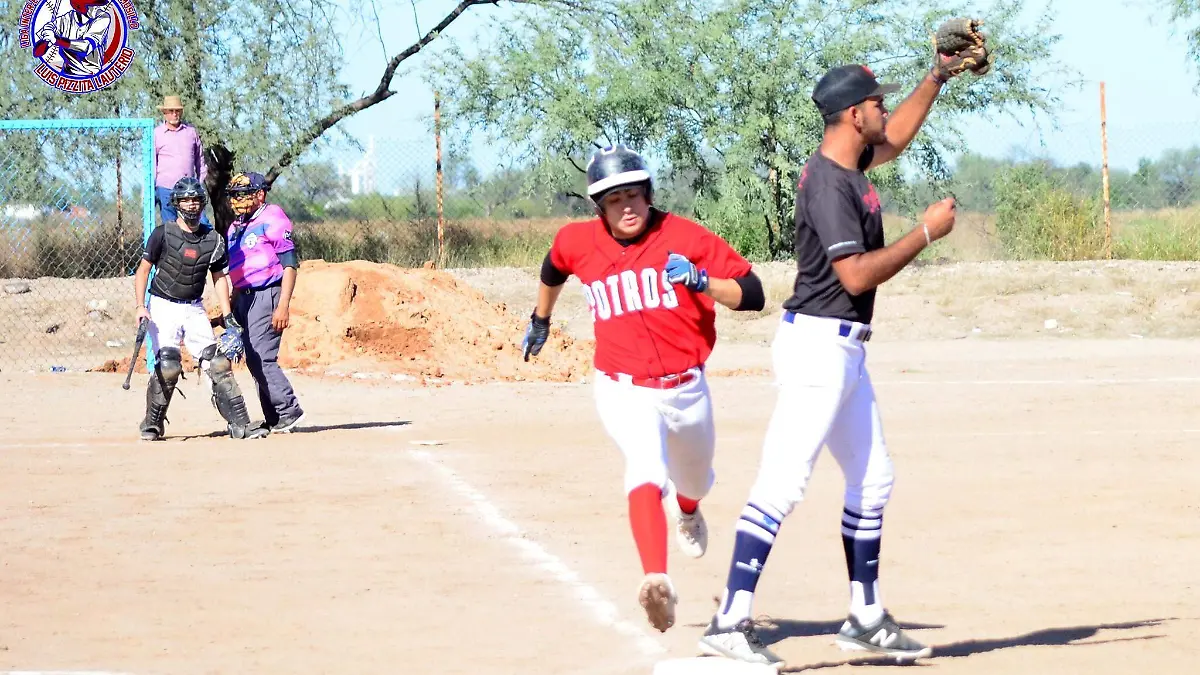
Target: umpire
[(262, 269)]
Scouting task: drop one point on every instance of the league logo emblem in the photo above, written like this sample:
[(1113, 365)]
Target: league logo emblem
[(79, 46)]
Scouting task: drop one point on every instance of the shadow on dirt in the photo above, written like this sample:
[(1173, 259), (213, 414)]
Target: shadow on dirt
[(307, 429), (775, 631)]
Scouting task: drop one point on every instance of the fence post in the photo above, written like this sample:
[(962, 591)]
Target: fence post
[(120, 221), (1108, 252), (437, 138)]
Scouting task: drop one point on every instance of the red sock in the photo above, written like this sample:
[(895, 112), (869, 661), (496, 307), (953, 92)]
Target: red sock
[(649, 524), (687, 505)]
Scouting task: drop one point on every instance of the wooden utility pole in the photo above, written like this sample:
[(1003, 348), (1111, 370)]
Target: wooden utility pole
[(1108, 252), (437, 137)]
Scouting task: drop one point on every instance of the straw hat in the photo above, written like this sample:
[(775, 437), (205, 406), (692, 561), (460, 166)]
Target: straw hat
[(171, 103)]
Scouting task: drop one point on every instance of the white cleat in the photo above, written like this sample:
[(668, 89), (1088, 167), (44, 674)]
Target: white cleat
[(657, 596), (691, 530)]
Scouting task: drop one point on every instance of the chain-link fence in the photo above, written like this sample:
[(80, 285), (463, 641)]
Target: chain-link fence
[(74, 207), (1098, 188), (382, 202), (73, 213), (1044, 198)]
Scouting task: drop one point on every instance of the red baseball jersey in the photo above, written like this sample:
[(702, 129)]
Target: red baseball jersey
[(644, 325)]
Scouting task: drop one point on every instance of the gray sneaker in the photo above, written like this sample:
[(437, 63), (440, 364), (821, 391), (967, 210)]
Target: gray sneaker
[(882, 637), (740, 642), (285, 425)]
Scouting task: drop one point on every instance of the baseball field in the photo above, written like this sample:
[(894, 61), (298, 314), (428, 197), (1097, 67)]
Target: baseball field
[(1043, 418)]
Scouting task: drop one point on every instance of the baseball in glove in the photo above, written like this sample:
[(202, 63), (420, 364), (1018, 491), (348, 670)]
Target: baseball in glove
[(959, 46)]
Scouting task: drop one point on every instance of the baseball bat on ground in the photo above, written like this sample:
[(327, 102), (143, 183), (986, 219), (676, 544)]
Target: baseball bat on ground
[(143, 324)]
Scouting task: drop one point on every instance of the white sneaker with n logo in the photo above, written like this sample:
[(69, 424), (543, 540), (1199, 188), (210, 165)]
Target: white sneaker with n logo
[(881, 637)]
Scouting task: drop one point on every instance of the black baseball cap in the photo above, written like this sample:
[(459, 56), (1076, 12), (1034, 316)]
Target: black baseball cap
[(845, 86)]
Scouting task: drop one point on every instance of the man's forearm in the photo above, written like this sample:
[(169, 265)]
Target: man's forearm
[(547, 297), (905, 121), (289, 285), (865, 271), (221, 288), (139, 287), (725, 291)]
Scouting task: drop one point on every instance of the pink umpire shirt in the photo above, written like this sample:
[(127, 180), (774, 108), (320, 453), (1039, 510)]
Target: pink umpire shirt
[(255, 245), (177, 153)]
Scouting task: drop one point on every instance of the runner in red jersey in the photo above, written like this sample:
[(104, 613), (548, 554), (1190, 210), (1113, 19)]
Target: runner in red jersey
[(651, 279)]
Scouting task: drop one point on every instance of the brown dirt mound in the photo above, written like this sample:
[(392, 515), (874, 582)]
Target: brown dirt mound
[(370, 317)]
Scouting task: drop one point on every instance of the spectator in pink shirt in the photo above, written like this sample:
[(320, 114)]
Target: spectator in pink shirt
[(178, 153)]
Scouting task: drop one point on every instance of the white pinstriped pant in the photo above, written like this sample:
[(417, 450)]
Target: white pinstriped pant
[(825, 399)]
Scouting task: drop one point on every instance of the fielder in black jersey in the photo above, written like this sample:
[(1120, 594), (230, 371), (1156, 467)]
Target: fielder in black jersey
[(825, 392)]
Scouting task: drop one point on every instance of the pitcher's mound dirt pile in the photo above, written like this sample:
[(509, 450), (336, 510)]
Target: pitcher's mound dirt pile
[(370, 317)]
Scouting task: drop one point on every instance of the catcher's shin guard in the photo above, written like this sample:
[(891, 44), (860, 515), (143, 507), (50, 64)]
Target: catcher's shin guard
[(168, 366), (227, 396)]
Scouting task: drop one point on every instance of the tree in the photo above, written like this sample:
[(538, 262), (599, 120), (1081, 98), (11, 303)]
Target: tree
[(246, 71), (259, 76), (304, 192), (719, 91), (310, 131), (1186, 14)]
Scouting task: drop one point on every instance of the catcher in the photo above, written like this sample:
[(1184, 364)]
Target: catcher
[(185, 252), (825, 397)]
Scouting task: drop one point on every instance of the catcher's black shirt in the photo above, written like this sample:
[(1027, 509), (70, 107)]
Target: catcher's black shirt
[(837, 214)]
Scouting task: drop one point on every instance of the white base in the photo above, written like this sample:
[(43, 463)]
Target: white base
[(711, 665)]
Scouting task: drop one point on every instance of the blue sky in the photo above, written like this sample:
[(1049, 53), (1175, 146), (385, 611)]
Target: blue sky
[(1152, 101)]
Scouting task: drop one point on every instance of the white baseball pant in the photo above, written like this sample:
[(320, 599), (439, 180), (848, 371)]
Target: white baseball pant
[(175, 323), (664, 434), (825, 397)]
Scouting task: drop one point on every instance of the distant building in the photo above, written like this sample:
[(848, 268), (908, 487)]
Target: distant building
[(361, 175)]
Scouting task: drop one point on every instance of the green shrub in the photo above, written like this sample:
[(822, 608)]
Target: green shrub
[(1037, 219)]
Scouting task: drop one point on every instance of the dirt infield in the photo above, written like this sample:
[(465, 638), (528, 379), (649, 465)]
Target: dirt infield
[(1044, 521)]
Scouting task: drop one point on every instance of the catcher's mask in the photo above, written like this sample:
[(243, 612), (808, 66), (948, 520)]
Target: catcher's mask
[(244, 189), (189, 199)]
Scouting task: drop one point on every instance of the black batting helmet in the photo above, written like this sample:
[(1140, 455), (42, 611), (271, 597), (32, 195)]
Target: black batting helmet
[(189, 188), (616, 167)]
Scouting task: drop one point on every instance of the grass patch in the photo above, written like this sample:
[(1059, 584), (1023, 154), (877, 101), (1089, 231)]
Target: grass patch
[(1170, 234)]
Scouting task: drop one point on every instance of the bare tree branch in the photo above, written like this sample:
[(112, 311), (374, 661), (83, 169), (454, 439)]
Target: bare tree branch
[(383, 91), (416, 21)]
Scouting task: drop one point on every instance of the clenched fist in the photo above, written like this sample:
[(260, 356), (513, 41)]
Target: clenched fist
[(680, 270), (939, 218)]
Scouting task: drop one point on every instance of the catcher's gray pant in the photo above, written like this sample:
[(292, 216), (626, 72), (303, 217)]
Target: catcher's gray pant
[(253, 310)]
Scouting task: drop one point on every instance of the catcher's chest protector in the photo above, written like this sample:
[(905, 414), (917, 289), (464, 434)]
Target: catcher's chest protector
[(183, 265)]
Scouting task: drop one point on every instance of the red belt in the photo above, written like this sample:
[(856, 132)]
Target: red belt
[(664, 382)]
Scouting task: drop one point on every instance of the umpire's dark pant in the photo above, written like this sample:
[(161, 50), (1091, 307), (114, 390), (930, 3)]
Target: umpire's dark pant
[(253, 310)]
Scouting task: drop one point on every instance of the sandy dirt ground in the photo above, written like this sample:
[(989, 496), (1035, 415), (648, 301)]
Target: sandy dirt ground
[(1044, 521)]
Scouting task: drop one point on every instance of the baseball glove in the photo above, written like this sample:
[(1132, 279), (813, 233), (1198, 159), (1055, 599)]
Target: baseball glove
[(959, 46), (230, 343)]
